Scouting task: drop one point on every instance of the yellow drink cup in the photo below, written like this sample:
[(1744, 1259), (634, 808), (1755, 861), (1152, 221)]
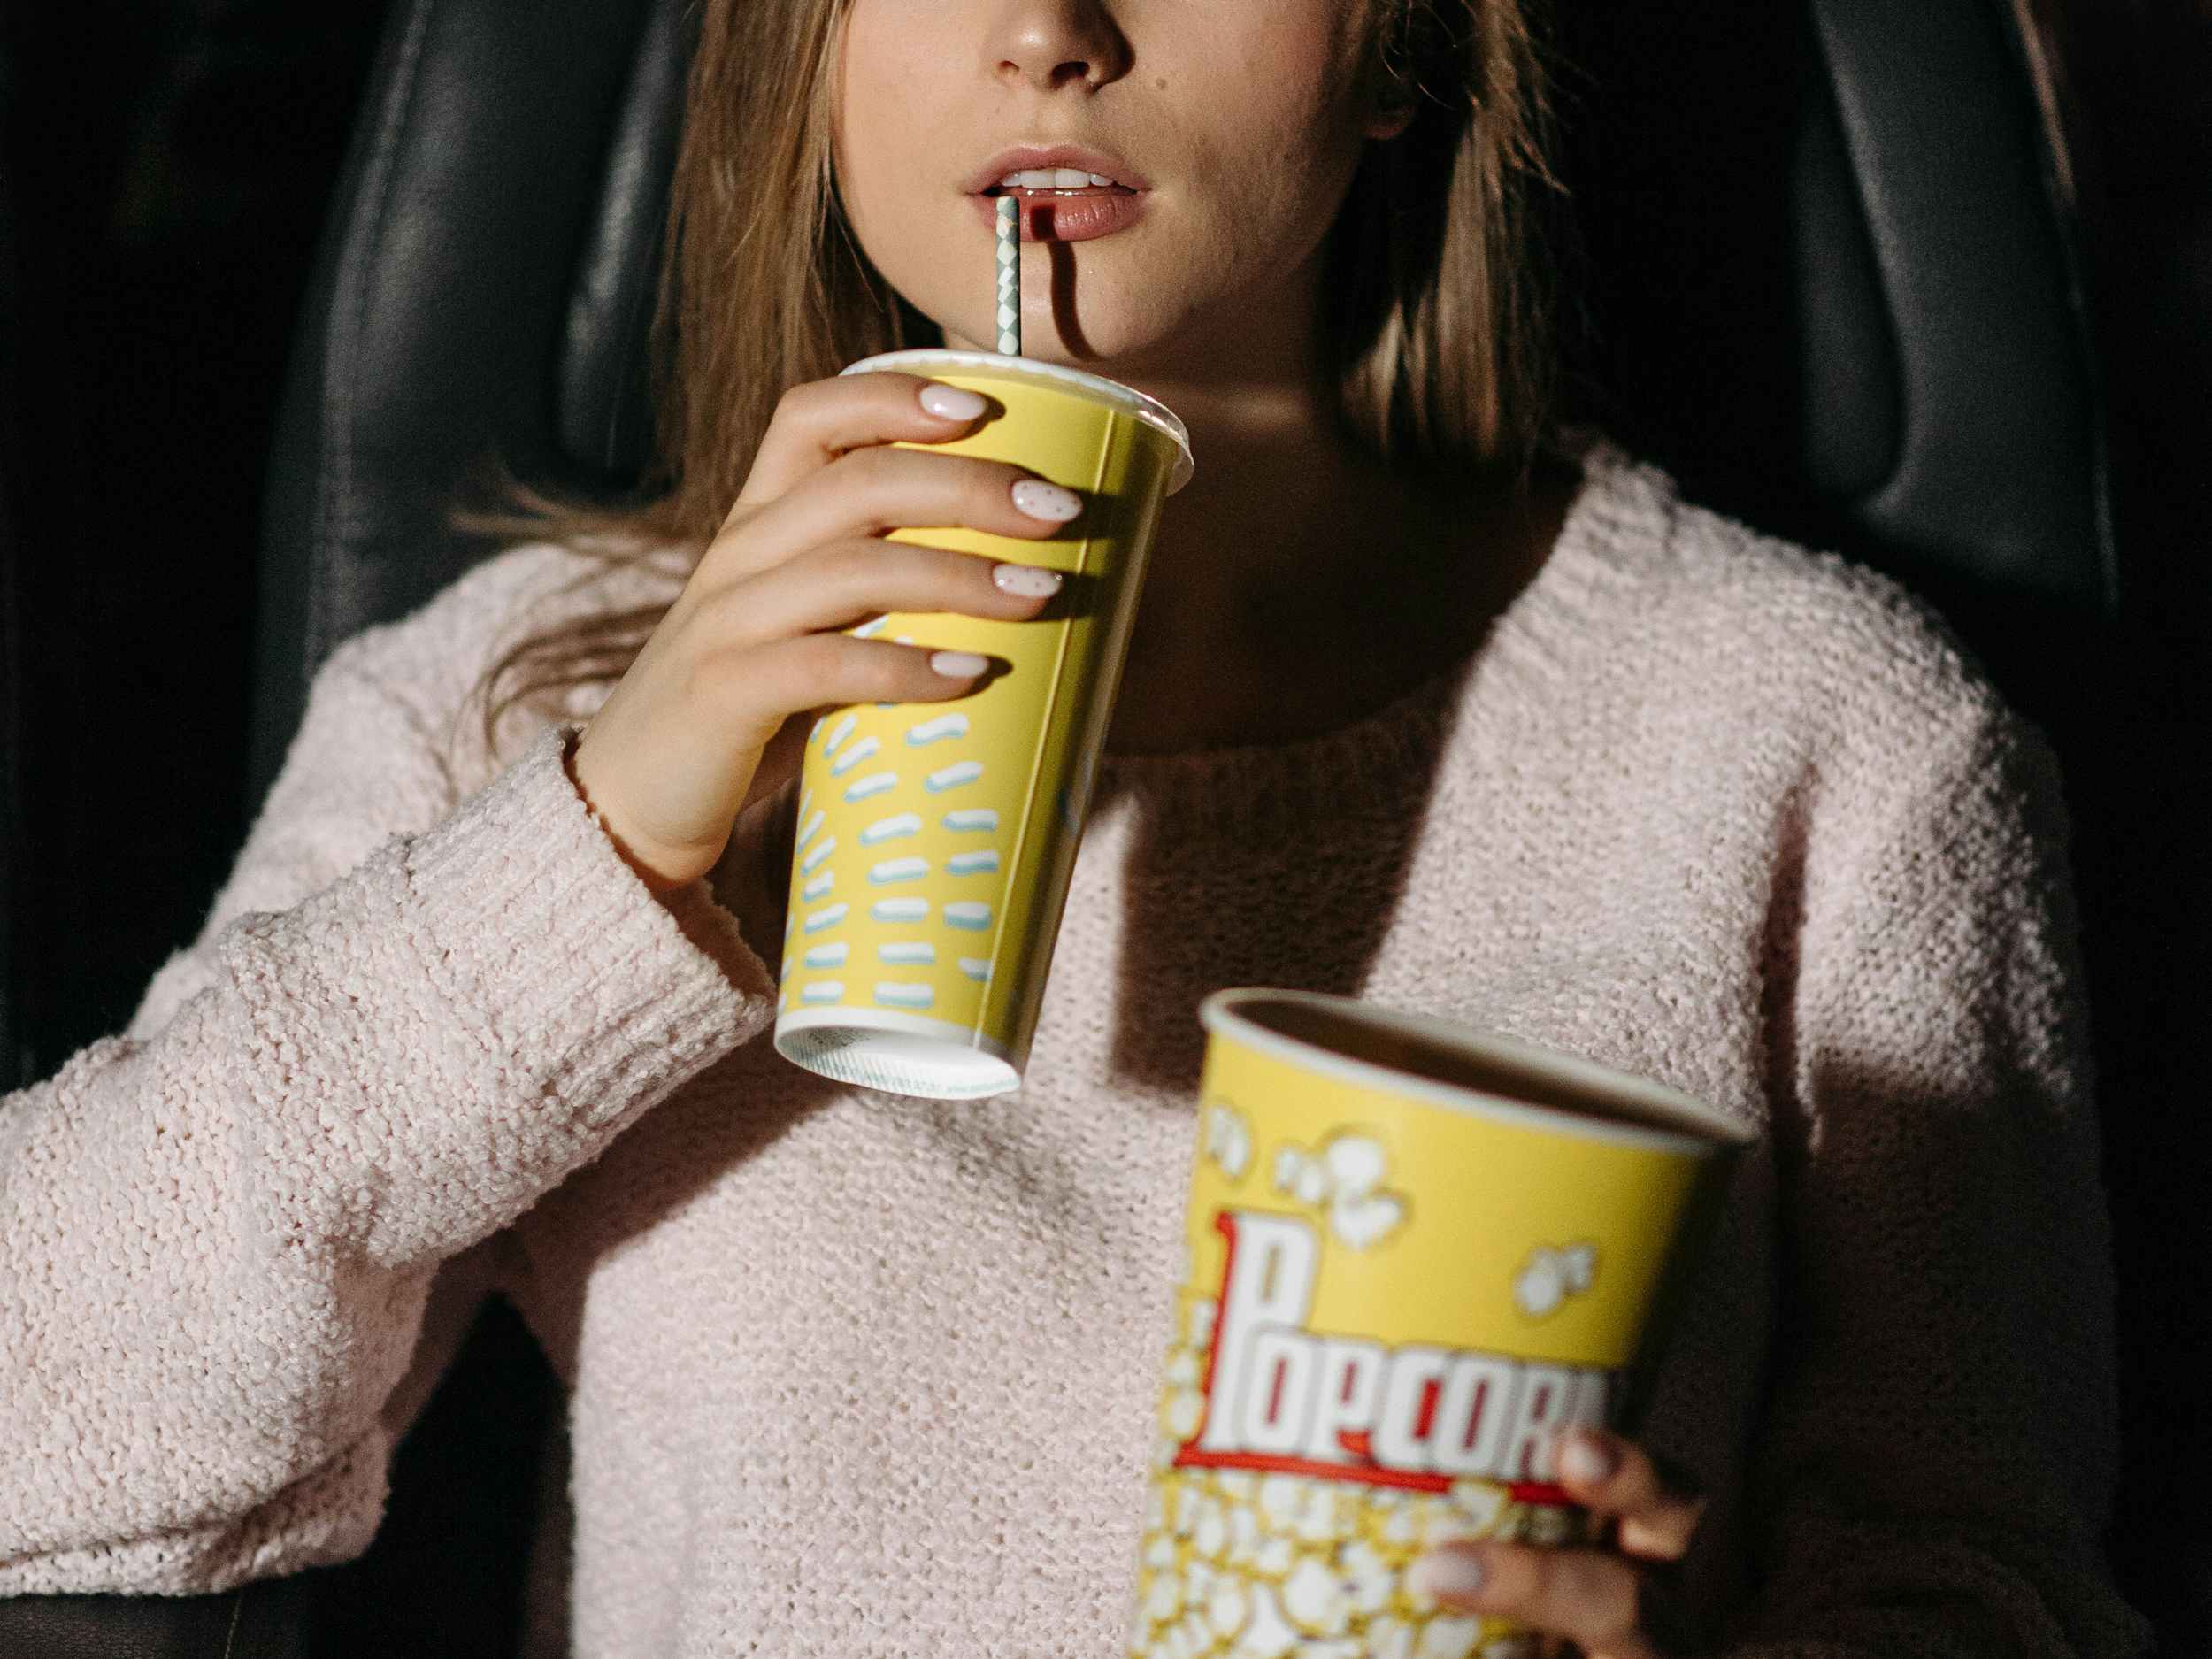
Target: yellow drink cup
[(1415, 1254), (936, 841)]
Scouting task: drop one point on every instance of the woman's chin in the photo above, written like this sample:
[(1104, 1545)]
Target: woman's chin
[(1100, 340)]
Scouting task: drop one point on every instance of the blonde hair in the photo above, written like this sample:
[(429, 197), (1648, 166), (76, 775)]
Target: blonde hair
[(1434, 331)]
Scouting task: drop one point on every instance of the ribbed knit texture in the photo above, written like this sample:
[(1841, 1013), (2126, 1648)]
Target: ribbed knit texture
[(856, 1375)]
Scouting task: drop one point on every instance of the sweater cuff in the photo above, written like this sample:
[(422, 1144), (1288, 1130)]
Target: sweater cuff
[(540, 921)]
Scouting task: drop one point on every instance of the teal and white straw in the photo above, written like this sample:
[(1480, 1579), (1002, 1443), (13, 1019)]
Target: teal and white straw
[(1010, 276)]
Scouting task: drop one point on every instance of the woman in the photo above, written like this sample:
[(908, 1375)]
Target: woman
[(1426, 703)]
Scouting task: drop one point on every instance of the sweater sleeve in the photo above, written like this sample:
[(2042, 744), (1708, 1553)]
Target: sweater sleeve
[(1936, 1466), (405, 1020)]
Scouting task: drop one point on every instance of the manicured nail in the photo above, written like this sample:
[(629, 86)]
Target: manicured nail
[(958, 665), (1030, 581), (1588, 1461), (1448, 1575), (1049, 501), (951, 403)]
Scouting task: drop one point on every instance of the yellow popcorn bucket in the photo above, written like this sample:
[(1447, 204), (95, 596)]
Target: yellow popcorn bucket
[(936, 841), (1415, 1254)]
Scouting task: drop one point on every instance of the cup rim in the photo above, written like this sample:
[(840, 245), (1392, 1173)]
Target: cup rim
[(1701, 1132), (1127, 399)]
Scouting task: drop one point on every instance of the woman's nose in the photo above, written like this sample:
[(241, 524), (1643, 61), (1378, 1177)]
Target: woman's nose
[(1048, 44)]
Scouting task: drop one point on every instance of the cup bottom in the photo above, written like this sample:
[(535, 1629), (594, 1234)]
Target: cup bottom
[(899, 1054)]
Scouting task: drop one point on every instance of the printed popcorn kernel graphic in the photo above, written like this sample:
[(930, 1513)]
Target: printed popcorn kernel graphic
[(1299, 1472), (1228, 1139), (1286, 1567), (1550, 1275), (1184, 1405), (1345, 1176), (1302, 1460)]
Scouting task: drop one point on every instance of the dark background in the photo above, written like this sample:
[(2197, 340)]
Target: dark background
[(169, 161), (165, 164)]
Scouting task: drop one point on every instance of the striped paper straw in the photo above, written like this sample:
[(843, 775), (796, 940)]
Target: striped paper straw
[(1010, 276)]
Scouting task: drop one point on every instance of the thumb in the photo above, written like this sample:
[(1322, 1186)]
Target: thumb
[(766, 830), (754, 875), (779, 766)]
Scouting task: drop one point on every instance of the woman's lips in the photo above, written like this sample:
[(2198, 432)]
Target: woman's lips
[(1068, 215)]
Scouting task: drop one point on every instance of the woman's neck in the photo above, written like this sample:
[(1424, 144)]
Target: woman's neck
[(1297, 584)]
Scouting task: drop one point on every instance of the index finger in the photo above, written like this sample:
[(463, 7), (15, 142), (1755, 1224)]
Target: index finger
[(820, 421)]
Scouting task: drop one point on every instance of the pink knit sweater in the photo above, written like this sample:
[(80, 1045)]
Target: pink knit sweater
[(856, 1375)]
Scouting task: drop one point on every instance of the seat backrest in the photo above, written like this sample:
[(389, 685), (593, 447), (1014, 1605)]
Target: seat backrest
[(15, 1056), (1825, 280), (483, 290)]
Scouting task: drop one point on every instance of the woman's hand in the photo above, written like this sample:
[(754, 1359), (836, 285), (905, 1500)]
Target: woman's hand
[(712, 716), (1595, 1598)]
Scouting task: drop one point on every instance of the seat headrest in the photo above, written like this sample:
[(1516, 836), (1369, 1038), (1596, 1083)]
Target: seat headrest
[(482, 292), (1831, 286)]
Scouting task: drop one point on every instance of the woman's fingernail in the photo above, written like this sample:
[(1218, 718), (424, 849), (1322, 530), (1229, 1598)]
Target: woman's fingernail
[(1447, 1575), (958, 665), (951, 403), (1029, 580), (1049, 501), (1588, 1461)]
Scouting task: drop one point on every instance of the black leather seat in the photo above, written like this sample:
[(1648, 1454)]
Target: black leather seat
[(14, 1054), (1827, 284), (485, 287)]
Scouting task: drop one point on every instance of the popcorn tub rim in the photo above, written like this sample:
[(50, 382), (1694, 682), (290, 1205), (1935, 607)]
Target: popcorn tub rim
[(1596, 1096)]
